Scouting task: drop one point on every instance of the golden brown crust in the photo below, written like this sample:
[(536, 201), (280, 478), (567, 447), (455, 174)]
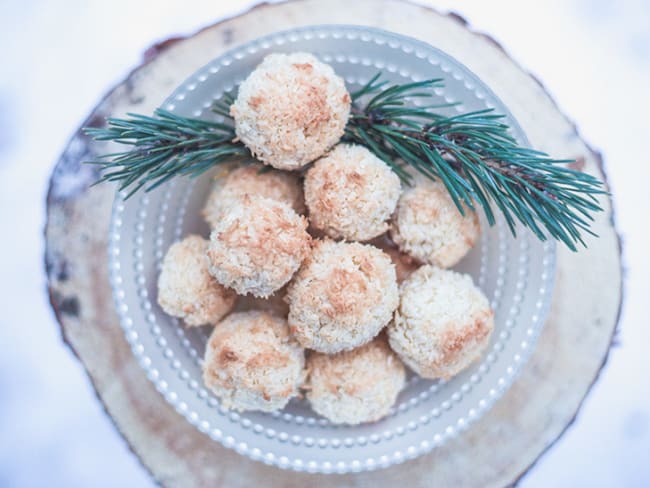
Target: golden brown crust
[(257, 246), (351, 193), (343, 295), (256, 101), (252, 363), (454, 341), (290, 110)]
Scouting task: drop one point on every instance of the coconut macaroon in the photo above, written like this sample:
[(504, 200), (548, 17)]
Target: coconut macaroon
[(257, 245), (250, 180), (290, 110), (252, 363), (443, 322), (355, 386), (343, 295), (351, 193), (428, 226), (185, 287)]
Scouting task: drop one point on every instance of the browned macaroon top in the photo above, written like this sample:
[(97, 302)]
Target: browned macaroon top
[(257, 245), (351, 193), (290, 110), (252, 363), (343, 295)]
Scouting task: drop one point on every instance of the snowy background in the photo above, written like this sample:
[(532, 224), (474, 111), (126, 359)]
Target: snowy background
[(58, 58)]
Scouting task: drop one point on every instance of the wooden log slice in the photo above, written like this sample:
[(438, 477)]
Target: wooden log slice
[(502, 445)]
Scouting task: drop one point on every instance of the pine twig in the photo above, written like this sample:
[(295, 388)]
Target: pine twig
[(472, 154), (164, 146), (476, 159)]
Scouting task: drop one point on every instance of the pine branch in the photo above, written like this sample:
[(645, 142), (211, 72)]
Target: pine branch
[(164, 146), (472, 154), (476, 159)]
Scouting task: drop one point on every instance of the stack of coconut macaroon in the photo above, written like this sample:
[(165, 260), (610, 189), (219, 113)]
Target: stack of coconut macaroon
[(339, 272)]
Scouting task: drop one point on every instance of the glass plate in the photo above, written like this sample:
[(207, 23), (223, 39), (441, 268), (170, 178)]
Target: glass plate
[(515, 273)]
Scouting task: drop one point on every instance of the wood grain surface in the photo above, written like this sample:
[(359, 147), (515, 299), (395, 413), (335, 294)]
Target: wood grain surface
[(501, 446)]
